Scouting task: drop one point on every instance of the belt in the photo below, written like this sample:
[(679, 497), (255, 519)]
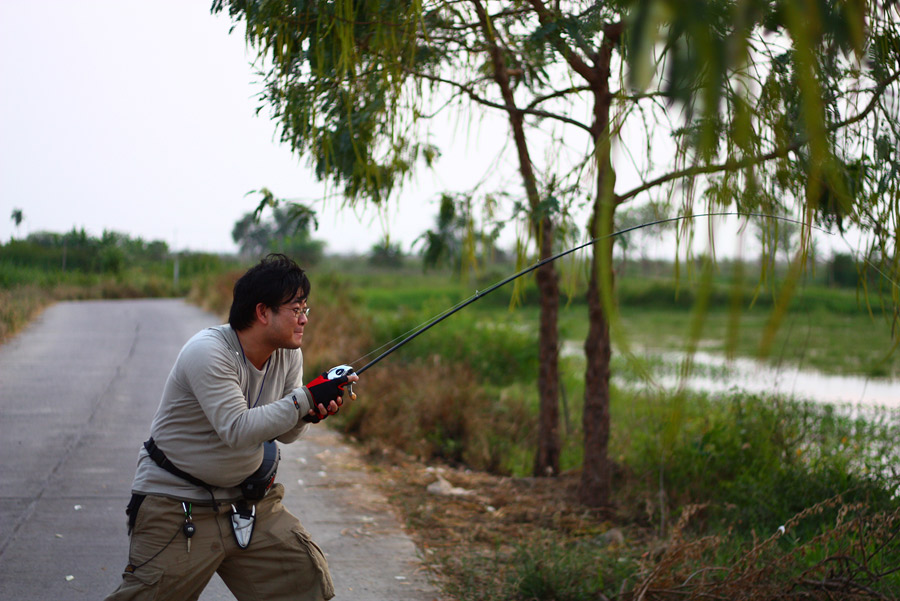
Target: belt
[(157, 455)]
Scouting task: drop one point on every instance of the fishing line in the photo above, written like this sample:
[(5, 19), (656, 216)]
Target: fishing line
[(876, 268), (409, 331), (428, 324)]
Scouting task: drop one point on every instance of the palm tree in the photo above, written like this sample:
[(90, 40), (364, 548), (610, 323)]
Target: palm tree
[(17, 216)]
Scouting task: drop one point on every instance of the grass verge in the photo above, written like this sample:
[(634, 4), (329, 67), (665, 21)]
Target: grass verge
[(524, 539)]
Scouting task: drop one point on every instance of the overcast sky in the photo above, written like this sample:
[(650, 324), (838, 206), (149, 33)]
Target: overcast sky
[(140, 117)]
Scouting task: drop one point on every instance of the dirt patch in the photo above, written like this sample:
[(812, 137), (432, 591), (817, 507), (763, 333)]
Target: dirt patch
[(447, 509)]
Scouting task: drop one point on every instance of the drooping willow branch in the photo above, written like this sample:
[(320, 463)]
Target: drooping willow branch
[(475, 96), (737, 164)]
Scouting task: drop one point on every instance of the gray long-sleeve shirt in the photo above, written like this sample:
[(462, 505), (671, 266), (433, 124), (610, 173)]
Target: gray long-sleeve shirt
[(216, 411)]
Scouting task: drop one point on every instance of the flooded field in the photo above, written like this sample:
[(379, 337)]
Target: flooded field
[(713, 373), (708, 372)]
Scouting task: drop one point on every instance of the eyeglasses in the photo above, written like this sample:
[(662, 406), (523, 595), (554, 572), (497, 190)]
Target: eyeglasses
[(298, 311)]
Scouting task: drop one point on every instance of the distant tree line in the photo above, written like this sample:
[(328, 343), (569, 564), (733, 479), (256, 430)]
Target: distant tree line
[(111, 253)]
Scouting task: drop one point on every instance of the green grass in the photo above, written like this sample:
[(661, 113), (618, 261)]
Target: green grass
[(755, 459)]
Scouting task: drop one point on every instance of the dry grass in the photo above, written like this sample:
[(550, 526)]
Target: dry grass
[(21, 304), (468, 538), (214, 293), (859, 553), (18, 307), (434, 410)]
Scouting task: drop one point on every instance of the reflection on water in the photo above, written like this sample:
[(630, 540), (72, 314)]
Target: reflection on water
[(757, 377)]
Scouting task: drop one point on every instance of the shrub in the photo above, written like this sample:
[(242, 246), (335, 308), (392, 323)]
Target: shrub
[(755, 461)]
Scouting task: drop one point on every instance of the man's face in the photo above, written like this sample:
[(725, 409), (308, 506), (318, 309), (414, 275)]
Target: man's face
[(288, 321)]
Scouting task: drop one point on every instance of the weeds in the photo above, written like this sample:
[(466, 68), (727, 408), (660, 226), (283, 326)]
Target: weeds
[(549, 571), (213, 292), (857, 556), (525, 540), (753, 460), (21, 303), (18, 307)]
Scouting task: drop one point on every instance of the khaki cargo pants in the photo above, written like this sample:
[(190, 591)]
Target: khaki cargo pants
[(282, 561)]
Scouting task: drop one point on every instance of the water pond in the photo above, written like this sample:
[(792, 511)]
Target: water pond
[(714, 373)]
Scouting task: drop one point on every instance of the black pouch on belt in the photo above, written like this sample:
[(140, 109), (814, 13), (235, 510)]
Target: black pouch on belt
[(132, 510), (257, 484)]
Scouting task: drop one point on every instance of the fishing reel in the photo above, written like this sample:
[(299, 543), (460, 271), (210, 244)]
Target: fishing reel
[(339, 371), (327, 387)]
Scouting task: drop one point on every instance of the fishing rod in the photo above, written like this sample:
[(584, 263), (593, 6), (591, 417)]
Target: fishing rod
[(421, 329)]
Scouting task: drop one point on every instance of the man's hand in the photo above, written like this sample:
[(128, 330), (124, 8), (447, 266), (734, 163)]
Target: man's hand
[(328, 394)]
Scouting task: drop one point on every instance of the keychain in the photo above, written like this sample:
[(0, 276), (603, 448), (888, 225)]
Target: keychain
[(189, 529)]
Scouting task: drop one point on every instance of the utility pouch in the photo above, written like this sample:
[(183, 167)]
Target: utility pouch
[(132, 510), (242, 520), (257, 484)]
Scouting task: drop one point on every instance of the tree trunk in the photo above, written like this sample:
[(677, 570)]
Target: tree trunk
[(546, 461), (596, 473)]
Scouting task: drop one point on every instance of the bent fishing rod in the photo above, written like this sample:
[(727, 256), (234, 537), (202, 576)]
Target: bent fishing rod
[(342, 370)]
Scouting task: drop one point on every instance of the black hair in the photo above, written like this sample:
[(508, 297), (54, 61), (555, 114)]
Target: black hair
[(274, 281)]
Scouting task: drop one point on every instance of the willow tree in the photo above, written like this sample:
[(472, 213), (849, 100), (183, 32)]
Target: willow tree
[(771, 107), (782, 108)]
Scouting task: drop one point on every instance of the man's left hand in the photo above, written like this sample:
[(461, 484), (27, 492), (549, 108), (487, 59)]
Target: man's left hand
[(328, 396)]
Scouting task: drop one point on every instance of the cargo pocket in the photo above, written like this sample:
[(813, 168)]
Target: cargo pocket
[(143, 577), (317, 558), (137, 584)]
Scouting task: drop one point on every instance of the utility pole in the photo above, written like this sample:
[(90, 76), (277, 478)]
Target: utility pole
[(175, 267)]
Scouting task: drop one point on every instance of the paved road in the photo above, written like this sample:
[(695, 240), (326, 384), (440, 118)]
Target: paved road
[(78, 390)]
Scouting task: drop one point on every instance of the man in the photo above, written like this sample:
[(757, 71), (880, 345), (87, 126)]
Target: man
[(203, 499)]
